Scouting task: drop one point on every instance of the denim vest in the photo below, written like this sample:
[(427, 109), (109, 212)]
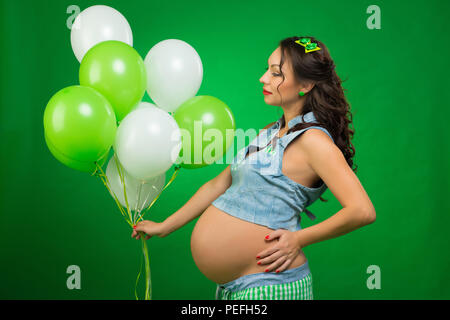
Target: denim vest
[(260, 193)]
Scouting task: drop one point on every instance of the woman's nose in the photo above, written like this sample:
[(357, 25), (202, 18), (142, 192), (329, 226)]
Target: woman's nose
[(263, 79)]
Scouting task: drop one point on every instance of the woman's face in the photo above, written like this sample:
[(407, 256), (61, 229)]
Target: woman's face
[(272, 78)]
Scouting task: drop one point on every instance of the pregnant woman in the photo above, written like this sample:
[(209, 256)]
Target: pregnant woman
[(248, 239)]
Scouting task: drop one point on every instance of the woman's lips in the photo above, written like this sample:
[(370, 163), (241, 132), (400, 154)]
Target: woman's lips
[(266, 92)]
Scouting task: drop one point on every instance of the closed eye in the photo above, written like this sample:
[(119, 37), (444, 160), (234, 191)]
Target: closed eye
[(273, 73)]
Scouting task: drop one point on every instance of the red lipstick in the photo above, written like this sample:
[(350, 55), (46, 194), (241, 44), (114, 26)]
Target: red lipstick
[(266, 92)]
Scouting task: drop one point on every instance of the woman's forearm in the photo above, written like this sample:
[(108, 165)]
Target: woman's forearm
[(198, 203), (344, 221)]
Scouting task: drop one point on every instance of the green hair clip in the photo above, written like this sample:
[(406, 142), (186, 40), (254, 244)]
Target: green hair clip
[(309, 46)]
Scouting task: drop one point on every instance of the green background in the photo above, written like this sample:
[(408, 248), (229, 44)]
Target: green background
[(397, 84)]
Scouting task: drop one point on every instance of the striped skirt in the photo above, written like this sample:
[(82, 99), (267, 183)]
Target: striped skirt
[(300, 289)]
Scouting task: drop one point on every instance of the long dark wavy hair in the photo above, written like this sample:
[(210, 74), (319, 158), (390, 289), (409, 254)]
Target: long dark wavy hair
[(326, 99)]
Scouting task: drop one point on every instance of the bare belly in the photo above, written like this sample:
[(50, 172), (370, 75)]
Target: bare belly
[(224, 247)]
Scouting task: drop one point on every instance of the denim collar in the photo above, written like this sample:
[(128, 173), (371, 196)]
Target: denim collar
[(309, 117)]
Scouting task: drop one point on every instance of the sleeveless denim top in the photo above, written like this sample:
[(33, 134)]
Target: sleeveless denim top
[(260, 193)]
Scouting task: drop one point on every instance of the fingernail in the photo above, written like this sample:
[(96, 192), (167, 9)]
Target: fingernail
[(278, 271), (259, 262), (267, 237), (266, 270), (134, 227), (258, 257)]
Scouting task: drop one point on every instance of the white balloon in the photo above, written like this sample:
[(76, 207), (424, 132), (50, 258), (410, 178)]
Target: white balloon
[(96, 24), (148, 142), (174, 73), (140, 193)]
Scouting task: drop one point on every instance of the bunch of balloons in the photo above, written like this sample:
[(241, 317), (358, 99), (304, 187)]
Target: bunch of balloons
[(82, 122)]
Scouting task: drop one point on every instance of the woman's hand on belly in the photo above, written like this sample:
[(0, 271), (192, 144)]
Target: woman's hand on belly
[(283, 252), (224, 247)]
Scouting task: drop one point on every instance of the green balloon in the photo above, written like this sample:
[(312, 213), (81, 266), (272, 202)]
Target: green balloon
[(79, 126), (204, 113), (117, 71), (74, 164)]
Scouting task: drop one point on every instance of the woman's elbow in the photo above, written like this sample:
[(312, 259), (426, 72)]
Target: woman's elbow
[(369, 215)]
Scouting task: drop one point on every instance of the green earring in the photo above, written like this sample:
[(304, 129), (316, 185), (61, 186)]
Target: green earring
[(301, 93)]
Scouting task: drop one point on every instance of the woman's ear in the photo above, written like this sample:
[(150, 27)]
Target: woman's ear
[(307, 87)]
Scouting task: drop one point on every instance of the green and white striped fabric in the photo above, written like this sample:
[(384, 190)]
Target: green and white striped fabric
[(297, 290)]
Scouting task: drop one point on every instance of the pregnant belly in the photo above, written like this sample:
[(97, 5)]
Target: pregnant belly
[(224, 247)]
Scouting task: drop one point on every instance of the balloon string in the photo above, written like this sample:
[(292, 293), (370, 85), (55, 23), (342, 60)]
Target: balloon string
[(174, 175), (105, 181), (148, 279), (95, 171), (104, 178), (122, 178), (122, 212), (138, 199), (143, 204), (137, 279)]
